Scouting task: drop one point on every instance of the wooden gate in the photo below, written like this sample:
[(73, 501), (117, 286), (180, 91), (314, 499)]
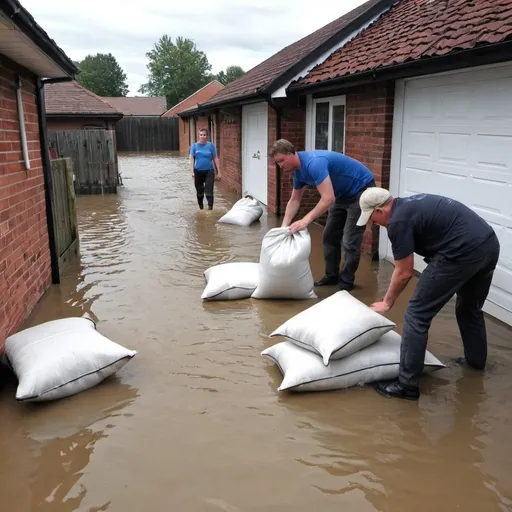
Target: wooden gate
[(64, 211), (93, 156), (148, 134)]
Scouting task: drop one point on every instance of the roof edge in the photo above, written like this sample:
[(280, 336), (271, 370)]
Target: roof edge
[(193, 94), (494, 53), (234, 102), (27, 24), (374, 11)]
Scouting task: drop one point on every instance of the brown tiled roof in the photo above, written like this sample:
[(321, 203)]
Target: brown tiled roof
[(139, 105), (264, 73), (72, 98), (417, 29)]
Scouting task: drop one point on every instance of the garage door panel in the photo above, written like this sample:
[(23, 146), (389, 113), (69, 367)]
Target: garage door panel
[(457, 141)]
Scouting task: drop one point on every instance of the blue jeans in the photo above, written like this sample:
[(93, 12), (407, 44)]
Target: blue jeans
[(341, 228)]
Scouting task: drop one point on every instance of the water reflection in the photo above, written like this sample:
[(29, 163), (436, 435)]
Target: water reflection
[(194, 422)]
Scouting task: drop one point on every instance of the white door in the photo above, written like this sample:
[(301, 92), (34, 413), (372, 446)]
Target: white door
[(255, 149), (453, 136)]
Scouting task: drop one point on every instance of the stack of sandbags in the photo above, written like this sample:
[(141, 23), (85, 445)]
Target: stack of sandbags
[(243, 213), (338, 343), (230, 281), (61, 358), (284, 270)]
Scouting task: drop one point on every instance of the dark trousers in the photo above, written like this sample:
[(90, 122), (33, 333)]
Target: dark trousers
[(203, 181), (341, 228), (439, 282)]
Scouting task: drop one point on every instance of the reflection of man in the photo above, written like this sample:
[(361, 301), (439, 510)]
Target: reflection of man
[(340, 180), (461, 250)]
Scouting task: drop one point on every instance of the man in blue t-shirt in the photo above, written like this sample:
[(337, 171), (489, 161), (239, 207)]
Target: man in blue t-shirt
[(340, 180), (461, 250)]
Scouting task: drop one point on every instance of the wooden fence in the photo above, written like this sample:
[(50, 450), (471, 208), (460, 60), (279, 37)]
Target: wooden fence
[(148, 134), (64, 211), (93, 155)]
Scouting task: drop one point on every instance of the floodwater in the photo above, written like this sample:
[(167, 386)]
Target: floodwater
[(194, 421)]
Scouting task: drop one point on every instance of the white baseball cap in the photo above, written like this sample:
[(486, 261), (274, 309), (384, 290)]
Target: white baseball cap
[(370, 199)]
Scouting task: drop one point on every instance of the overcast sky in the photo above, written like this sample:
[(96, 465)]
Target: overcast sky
[(235, 32)]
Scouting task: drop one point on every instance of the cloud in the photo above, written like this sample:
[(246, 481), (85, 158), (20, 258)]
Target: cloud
[(229, 32)]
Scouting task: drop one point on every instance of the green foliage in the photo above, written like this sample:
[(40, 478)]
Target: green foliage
[(102, 74), (231, 73), (176, 70)]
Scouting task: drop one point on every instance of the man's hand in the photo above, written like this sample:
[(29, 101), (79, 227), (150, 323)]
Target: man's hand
[(298, 226), (381, 307), (219, 176)]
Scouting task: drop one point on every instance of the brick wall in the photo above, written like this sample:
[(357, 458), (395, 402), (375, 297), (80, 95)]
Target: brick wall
[(184, 128), (368, 131), (230, 149), (24, 250)]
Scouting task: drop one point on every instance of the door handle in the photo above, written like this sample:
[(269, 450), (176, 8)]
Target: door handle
[(257, 155)]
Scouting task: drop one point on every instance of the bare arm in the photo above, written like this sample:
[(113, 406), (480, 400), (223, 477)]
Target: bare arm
[(326, 199), (402, 274), (191, 161), (217, 166), (292, 207)]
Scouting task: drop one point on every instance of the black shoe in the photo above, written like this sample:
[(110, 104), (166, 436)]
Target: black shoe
[(327, 281), (394, 389), (201, 206), (346, 287), (210, 207)]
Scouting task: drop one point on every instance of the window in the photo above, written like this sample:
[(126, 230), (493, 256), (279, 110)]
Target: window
[(327, 123)]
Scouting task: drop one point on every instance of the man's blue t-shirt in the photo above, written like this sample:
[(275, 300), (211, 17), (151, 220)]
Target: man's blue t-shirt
[(203, 156), (348, 176)]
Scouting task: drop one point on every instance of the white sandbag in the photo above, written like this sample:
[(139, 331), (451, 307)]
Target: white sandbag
[(304, 371), (335, 327), (231, 281), (244, 212), (61, 358), (284, 266)]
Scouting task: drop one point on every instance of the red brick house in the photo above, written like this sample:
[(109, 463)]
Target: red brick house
[(253, 111), (422, 94), (189, 126), (70, 106), (28, 60)]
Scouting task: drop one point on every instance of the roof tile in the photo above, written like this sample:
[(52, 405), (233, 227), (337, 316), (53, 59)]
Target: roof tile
[(139, 105), (414, 29), (279, 63), (73, 98)]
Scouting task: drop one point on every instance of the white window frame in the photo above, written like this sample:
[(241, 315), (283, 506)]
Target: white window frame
[(311, 119)]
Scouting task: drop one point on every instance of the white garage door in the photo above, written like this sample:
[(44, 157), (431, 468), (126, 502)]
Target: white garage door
[(254, 151), (453, 136)]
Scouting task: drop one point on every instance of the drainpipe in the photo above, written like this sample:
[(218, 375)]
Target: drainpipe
[(21, 118), (47, 171), (277, 110)]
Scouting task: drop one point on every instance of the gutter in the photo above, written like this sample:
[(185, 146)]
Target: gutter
[(26, 23), (204, 108), (47, 171), (488, 54)]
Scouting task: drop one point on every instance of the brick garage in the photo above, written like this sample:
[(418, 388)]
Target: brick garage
[(24, 248)]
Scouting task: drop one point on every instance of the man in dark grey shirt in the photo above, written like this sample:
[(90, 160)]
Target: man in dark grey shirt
[(461, 250)]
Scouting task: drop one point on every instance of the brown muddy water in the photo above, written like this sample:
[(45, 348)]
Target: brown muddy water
[(194, 421)]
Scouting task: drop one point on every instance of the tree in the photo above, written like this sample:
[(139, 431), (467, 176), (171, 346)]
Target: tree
[(176, 70), (231, 73), (102, 74)]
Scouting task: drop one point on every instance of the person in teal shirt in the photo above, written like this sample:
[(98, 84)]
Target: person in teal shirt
[(203, 156), (340, 180)]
